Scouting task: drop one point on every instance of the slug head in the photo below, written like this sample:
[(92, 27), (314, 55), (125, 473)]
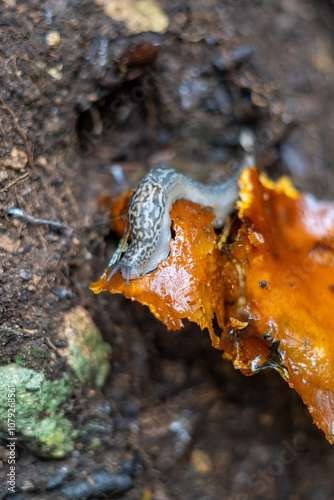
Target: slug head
[(147, 207)]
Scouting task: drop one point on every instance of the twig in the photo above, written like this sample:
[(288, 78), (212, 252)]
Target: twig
[(36, 220), (26, 87), (22, 132), (12, 183), (48, 342)]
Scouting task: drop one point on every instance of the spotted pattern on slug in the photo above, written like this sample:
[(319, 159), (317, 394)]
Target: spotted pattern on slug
[(149, 220), (145, 219)]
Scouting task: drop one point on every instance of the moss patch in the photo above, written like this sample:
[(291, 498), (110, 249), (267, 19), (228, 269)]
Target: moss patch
[(37, 414), (35, 358), (87, 353)]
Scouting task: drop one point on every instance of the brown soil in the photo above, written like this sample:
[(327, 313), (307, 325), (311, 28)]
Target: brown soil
[(173, 414)]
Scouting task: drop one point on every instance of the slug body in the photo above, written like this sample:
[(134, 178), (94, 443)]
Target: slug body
[(149, 218)]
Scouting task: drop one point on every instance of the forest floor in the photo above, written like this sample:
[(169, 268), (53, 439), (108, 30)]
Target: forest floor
[(173, 418)]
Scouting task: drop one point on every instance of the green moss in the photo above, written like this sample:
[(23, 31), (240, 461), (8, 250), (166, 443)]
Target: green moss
[(35, 351), (88, 353), (37, 414), (95, 444), (35, 358), (20, 360)]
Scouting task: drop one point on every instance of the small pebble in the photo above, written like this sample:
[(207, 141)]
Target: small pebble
[(52, 38), (24, 275)]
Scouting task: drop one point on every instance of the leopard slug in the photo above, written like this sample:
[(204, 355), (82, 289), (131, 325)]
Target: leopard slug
[(149, 219)]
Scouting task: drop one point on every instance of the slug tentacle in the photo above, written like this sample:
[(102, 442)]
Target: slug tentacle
[(149, 219), (114, 269)]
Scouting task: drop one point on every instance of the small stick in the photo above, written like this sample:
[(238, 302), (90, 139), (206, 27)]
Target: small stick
[(36, 220), (48, 342), (22, 132), (12, 183)]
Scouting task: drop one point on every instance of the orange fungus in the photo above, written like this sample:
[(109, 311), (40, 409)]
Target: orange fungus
[(269, 282)]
